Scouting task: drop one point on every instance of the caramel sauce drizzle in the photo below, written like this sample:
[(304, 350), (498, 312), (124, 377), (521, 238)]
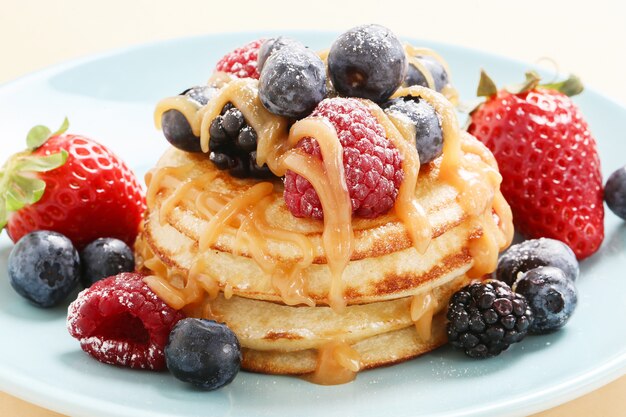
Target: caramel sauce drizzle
[(423, 308), (337, 361), (329, 181), (210, 232), (187, 107), (478, 188), (406, 207)]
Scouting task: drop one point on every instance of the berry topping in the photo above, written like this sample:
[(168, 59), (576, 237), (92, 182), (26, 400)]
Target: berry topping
[(205, 353), (372, 165), (551, 296), (486, 318), (177, 129), (272, 45), (120, 321), (533, 253), (242, 62), (436, 69), (367, 61), (200, 94), (293, 81), (103, 258), (548, 160), (421, 115), (233, 145), (72, 185), (44, 268), (615, 192)]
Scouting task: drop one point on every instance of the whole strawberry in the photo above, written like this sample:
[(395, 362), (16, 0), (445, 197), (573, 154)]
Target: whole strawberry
[(72, 185), (548, 160)]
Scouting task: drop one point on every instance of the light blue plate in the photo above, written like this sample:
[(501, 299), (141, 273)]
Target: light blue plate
[(111, 98)]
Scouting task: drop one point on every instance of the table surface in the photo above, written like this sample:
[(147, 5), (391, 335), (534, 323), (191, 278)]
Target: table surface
[(578, 39)]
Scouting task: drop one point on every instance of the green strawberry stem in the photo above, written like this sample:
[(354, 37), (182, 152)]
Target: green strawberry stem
[(530, 83), (486, 86), (39, 134), (570, 87), (19, 184)]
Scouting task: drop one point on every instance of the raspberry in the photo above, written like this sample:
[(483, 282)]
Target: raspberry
[(120, 321), (372, 164), (242, 62)]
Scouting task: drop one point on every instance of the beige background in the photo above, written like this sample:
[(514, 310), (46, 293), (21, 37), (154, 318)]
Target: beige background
[(587, 38)]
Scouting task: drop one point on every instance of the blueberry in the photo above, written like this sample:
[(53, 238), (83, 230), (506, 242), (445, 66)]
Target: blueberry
[(534, 253), (615, 192), (367, 61), (203, 352), (200, 94), (177, 129), (103, 258), (424, 119), (436, 68), (44, 267), (551, 296), (272, 45), (292, 82)]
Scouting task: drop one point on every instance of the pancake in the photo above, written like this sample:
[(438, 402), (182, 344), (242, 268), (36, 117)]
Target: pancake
[(320, 297), (281, 339), (383, 265), (376, 351)]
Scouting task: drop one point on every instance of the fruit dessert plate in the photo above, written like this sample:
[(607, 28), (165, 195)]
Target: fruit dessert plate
[(535, 374)]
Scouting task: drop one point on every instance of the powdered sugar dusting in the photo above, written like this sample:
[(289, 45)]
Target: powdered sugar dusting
[(242, 62), (120, 321)]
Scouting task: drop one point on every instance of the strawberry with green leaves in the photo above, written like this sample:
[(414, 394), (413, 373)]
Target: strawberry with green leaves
[(72, 185), (548, 160)]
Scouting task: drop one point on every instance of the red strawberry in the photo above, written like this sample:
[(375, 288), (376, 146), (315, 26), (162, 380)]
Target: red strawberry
[(548, 160), (242, 62), (72, 185)]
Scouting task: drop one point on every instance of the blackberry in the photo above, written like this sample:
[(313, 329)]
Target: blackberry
[(233, 145), (485, 318)]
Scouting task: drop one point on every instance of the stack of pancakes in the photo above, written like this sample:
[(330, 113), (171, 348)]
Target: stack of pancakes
[(276, 301)]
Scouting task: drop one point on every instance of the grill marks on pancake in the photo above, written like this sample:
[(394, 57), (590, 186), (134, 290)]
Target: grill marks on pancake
[(389, 286), (395, 236), (394, 283), (380, 350), (282, 335)]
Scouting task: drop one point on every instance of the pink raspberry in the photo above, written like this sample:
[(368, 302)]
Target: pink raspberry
[(120, 321), (372, 164), (242, 62)]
